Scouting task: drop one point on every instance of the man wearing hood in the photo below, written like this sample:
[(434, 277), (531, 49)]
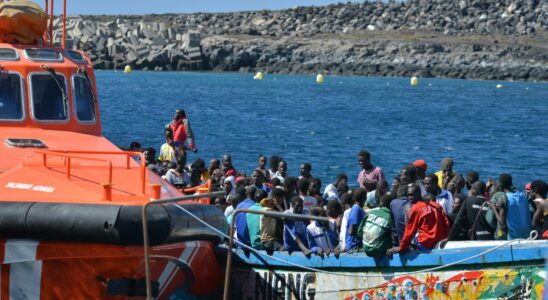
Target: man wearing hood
[(182, 131)]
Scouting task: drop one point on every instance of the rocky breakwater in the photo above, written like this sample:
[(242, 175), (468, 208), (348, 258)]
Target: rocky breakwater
[(485, 39)]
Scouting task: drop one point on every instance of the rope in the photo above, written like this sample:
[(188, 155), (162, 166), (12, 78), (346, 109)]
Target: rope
[(348, 274)]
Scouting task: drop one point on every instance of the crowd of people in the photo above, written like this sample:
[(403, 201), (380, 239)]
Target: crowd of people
[(416, 210)]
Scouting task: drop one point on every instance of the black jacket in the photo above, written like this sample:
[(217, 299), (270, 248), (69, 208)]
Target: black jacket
[(466, 217)]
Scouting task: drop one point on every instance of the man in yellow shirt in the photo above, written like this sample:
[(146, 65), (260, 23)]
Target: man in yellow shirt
[(446, 172)]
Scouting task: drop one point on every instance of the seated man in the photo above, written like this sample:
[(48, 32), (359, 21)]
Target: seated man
[(376, 229), (322, 236), (352, 240), (295, 238), (271, 227), (427, 223)]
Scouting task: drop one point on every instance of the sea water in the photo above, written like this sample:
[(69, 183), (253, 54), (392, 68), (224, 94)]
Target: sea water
[(484, 128)]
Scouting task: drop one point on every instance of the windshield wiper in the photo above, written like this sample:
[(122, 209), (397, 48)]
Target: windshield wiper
[(51, 71), (82, 70)]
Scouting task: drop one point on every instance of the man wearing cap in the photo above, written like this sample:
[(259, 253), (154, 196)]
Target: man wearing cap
[(421, 168), (182, 131)]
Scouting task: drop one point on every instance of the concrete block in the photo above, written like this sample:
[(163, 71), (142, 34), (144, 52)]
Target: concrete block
[(159, 41), (149, 34), (132, 56)]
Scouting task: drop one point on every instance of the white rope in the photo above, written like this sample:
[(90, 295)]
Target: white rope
[(347, 274)]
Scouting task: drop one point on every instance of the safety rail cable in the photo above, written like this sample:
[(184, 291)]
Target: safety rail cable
[(144, 217), (353, 274), (128, 155)]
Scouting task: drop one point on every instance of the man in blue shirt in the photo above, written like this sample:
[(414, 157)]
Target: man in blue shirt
[(352, 240), (295, 238), (242, 232)]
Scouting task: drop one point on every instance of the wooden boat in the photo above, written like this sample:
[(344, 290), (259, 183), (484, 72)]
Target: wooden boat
[(463, 270), (71, 201)]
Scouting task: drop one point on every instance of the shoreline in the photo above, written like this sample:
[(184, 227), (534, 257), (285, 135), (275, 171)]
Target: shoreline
[(467, 40), (327, 75)]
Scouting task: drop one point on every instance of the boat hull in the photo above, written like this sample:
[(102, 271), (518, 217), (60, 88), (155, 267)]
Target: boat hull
[(515, 271), (31, 269)]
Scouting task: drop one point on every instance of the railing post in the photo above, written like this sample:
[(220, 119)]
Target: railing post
[(51, 24), (107, 191), (110, 172), (68, 167), (229, 255), (64, 39), (156, 191), (46, 9), (143, 174)]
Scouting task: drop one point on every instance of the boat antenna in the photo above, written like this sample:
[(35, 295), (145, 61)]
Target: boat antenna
[(49, 4), (51, 71)]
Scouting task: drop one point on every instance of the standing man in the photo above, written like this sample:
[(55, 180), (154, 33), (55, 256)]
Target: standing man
[(182, 131), (471, 217), (168, 151), (421, 168), (227, 166), (443, 197), (446, 172), (305, 170), (262, 167), (513, 209), (369, 172)]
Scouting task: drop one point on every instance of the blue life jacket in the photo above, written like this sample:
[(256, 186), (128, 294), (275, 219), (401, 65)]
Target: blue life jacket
[(518, 216)]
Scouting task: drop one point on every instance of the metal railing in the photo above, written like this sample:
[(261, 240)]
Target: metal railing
[(145, 228), (258, 212), (67, 154)]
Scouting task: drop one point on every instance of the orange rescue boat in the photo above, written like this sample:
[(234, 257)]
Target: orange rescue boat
[(71, 201)]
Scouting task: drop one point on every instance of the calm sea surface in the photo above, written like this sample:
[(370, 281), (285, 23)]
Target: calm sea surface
[(483, 128)]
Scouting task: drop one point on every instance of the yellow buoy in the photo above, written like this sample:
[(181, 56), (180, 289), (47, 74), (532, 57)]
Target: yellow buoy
[(319, 79), (127, 69), (414, 81), (499, 86), (258, 76)]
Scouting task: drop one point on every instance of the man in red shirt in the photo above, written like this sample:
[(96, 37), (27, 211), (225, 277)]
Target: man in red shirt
[(182, 131), (427, 224)]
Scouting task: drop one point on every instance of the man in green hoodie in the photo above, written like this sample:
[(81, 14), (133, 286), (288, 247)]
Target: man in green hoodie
[(376, 229)]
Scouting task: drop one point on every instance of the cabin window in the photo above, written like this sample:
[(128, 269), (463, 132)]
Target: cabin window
[(39, 54), (11, 99), (48, 97), (84, 99), (76, 56), (8, 54)]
